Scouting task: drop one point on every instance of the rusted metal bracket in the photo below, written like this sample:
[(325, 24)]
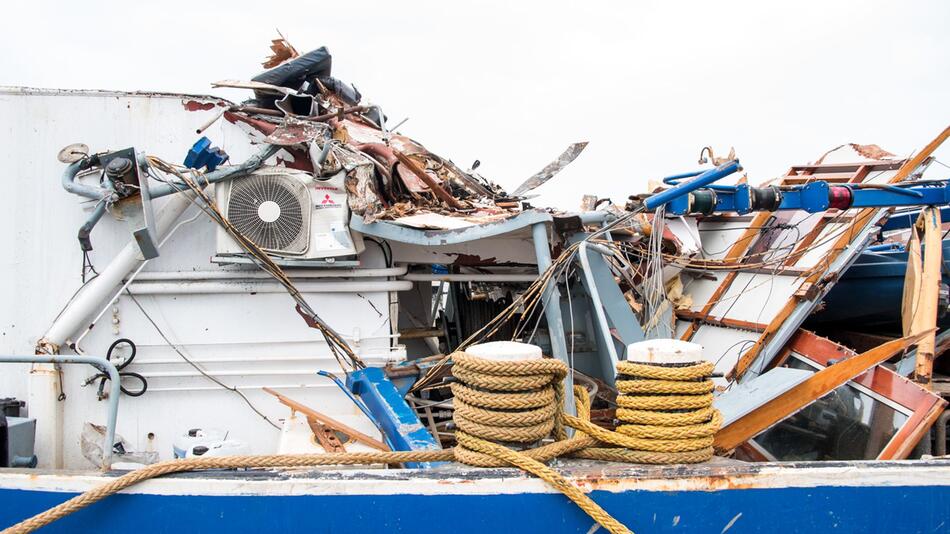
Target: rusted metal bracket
[(325, 436), (329, 422)]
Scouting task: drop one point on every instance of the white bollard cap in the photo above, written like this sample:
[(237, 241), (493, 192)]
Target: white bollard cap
[(506, 351), (665, 351)]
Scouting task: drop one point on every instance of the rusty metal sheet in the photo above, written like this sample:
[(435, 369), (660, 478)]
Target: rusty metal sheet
[(295, 131), (548, 172)]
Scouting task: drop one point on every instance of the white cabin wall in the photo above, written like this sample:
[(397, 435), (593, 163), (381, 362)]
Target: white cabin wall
[(252, 340)]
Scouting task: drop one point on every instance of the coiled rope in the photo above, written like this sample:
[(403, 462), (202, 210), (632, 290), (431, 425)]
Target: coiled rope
[(666, 415), (667, 409), (499, 405)]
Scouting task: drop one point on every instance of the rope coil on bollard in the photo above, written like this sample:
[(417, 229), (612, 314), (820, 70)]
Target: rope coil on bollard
[(503, 404)]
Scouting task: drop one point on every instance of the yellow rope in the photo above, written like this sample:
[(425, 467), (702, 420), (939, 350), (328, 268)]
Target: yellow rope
[(512, 402), (664, 386), (648, 417), (665, 402), (500, 403), (656, 372)]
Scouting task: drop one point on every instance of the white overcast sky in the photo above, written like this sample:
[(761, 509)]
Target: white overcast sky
[(513, 83)]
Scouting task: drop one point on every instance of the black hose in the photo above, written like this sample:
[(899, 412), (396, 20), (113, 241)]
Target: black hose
[(105, 377)]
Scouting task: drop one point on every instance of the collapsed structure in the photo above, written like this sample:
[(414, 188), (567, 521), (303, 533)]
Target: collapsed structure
[(811, 307)]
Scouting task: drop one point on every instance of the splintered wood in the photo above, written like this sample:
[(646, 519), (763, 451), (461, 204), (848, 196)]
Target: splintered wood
[(281, 51)]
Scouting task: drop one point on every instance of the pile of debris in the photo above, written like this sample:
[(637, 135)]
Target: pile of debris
[(324, 127)]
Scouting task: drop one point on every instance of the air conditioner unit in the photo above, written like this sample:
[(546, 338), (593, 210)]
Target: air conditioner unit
[(288, 213)]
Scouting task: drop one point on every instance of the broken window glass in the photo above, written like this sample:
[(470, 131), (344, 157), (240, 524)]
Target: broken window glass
[(846, 424)]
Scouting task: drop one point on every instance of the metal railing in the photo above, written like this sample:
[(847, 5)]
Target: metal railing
[(102, 365)]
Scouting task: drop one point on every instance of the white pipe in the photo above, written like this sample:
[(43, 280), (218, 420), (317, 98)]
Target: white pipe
[(318, 340), (102, 287), (108, 304), (45, 383), (492, 277), (248, 373), (214, 287), (43, 405), (240, 388), (294, 274)]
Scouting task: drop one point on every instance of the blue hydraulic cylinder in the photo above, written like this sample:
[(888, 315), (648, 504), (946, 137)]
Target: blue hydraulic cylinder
[(815, 197), (682, 189), (402, 427)]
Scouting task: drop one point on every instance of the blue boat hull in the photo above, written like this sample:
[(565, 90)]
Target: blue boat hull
[(870, 292), (845, 497)]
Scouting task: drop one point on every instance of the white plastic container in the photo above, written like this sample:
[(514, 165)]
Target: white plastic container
[(506, 351), (665, 351), (227, 447), (194, 437)]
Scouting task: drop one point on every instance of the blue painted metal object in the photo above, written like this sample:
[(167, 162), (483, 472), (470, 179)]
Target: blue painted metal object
[(878, 271), (202, 154), (552, 313), (906, 219), (817, 196), (359, 404), (680, 191), (399, 423)]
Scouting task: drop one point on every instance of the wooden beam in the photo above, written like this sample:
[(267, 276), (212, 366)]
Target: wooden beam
[(848, 167), (912, 276), (921, 156), (925, 314), (420, 173), (727, 322), (815, 387), (329, 421)]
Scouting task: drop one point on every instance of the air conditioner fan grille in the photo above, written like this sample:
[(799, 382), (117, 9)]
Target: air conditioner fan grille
[(273, 210)]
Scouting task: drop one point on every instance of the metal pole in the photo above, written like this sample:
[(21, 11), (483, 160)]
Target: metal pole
[(552, 311), (218, 175), (102, 286), (595, 217), (598, 306), (683, 188), (99, 363)]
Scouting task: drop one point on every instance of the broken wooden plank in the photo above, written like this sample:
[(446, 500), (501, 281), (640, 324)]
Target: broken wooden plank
[(925, 312), (859, 222), (433, 186), (912, 278), (699, 317), (903, 443), (815, 387), (922, 406)]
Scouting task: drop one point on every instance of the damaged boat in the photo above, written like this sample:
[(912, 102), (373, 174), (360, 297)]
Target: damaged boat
[(284, 313)]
